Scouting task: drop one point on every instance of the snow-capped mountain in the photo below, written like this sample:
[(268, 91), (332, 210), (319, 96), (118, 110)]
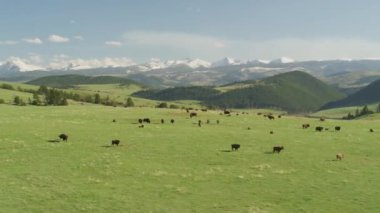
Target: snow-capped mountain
[(282, 60), (15, 64), (226, 62), (155, 64)]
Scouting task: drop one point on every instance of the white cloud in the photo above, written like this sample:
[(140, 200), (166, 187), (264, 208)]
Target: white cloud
[(114, 43), (32, 40), (78, 37), (58, 39), (8, 42)]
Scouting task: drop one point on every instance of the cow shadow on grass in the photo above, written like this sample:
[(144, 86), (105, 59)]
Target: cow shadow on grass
[(109, 146), (268, 153), (225, 150), (54, 141)]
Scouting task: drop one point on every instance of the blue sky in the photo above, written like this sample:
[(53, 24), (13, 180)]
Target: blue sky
[(46, 30)]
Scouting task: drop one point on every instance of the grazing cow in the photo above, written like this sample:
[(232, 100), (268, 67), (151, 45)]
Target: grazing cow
[(226, 112), (279, 116), (172, 121), (193, 114), (339, 156), (141, 126), (235, 147), (371, 130), (321, 119), (146, 120), (204, 110), (337, 128), (319, 128), (259, 113), (140, 120), (199, 123), (162, 121), (270, 117), (271, 132), (115, 142), (305, 126), (278, 149), (63, 137), (187, 110)]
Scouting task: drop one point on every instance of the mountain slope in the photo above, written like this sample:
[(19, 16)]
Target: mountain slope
[(293, 91), (368, 95), (71, 80), (179, 93)]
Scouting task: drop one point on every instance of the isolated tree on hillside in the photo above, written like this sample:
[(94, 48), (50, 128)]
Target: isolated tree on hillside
[(129, 102), (97, 98)]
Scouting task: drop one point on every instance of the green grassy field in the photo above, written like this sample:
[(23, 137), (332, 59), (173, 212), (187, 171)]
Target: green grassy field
[(182, 167), (338, 113)]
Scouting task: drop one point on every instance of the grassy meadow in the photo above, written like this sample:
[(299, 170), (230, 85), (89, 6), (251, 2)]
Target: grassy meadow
[(181, 167)]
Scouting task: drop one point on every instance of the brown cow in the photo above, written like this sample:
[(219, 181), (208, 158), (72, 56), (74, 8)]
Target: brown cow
[(339, 156)]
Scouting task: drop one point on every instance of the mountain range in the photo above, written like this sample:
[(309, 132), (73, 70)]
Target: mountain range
[(347, 74)]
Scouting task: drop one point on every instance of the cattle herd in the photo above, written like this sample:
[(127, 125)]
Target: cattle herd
[(235, 146)]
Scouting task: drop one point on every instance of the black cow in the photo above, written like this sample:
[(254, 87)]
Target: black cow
[(115, 142), (305, 126), (172, 121), (271, 132), (322, 119), (146, 120), (226, 112), (140, 120), (63, 137), (319, 128), (270, 117), (199, 123), (279, 116), (114, 120), (235, 146), (162, 121), (204, 110), (371, 130), (141, 126), (337, 128), (193, 114), (278, 149)]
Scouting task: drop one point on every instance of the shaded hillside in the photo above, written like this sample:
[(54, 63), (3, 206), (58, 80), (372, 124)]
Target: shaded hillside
[(179, 93), (293, 91), (368, 95), (63, 81)]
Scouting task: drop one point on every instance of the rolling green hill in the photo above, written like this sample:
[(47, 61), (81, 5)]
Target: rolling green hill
[(368, 95), (293, 91), (64, 81)]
